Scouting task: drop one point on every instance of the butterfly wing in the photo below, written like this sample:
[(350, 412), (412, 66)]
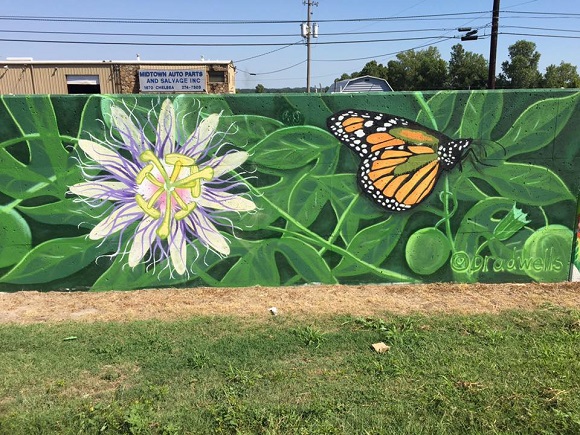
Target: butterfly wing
[(399, 178), (402, 160), (367, 132)]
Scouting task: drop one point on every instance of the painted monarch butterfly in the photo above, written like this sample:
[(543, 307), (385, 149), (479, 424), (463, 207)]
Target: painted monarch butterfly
[(402, 160)]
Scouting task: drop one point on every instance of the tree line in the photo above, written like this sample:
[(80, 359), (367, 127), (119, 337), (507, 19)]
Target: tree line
[(425, 69)]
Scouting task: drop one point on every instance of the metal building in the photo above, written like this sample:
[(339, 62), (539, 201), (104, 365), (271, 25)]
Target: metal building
[(361, 84), (27, 76)]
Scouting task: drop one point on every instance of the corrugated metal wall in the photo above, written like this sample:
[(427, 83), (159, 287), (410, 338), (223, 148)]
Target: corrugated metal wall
[(50, 79), (16, 79)]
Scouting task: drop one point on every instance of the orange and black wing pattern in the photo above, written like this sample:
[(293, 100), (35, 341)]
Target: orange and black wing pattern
[(402, 160)]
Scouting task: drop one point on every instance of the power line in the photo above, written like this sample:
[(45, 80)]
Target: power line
[(219, 22), (217, 44), (268, 52), (244, 35), (540, 35)]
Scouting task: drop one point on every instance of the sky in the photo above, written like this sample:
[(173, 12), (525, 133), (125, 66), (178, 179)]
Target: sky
[(263, 37)]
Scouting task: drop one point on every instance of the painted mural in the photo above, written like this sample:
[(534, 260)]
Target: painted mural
[(124, 192)]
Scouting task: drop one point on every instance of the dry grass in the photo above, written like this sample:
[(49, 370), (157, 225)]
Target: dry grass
[(304, 301)]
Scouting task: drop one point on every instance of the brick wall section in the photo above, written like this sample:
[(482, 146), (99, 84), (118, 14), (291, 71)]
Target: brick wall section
[(129, 79)]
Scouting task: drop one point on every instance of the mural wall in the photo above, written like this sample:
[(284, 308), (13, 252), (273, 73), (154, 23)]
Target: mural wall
[(115, 193)]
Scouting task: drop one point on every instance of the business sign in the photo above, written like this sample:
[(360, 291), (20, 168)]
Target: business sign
[(171, 80)]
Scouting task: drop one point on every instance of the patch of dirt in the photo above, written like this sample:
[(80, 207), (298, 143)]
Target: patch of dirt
[(300, 301)]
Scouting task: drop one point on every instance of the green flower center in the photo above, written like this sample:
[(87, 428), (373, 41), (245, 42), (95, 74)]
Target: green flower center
[(170, 187)]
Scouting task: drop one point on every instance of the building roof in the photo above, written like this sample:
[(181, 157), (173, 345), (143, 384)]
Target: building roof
[(31, 61), (361, 84)]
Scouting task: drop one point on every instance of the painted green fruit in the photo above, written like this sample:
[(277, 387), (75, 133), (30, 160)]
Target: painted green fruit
[(547, 253), (427, 250)]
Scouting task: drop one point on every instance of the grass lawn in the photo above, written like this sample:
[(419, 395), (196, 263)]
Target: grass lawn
[(518, 372)]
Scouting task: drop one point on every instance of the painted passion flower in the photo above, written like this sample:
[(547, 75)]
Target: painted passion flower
[(174, 190)]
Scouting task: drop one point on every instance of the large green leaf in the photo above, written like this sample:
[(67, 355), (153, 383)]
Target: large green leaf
[(481, 115), (256, 267), (349, 204), (34, 115), (536, 127), (43, 167), (441, 106), (63, 212), (307, 198), (528, 184), (306, 261), (292, 147), (15, 237), (372, 245), (119, 276), (57, 258), (244, 131)]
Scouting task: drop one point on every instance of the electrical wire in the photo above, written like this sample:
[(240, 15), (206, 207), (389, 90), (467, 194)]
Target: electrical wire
[(216, 44), (220, 22)]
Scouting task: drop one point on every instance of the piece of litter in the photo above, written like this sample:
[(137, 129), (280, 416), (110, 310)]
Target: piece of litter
[(381, 347), (72, 337), (273, 311)]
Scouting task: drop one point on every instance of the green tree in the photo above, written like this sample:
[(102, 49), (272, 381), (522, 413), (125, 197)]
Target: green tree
[(260, 88), (467, 70), (521, 70), (374, 69), (564, 75), (418, 70)]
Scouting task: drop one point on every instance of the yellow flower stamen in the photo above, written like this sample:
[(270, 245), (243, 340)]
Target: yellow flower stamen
[(168, 185)]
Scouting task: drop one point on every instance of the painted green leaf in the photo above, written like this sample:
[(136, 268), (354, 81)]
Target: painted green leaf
[(465, 189), (527, 184), (292, 147), (306, 261), (56, 258), (244, 131), (373, 244), (19, 181), (481, 115), (119, 276), (15, 237), (193, 104), (350, 206), (256, 267), (43, 160), (441, 106), (34, 115), (63, 212), (307, 198), (536, 127), (190, 110)]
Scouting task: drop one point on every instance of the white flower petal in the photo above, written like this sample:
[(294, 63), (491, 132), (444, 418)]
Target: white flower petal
[(107, 158), (119, 219), (208, 233), (132, 136), (98, 189), (178, 249), (226, 201), (227, 163), (200, 138), (166, 128), (144, 237)]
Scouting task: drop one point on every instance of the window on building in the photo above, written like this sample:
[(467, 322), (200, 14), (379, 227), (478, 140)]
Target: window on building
[(78, 84), (217, 76)]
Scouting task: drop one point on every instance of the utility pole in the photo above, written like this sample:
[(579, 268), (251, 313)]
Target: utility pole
[(493, 45), (309, 31)]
